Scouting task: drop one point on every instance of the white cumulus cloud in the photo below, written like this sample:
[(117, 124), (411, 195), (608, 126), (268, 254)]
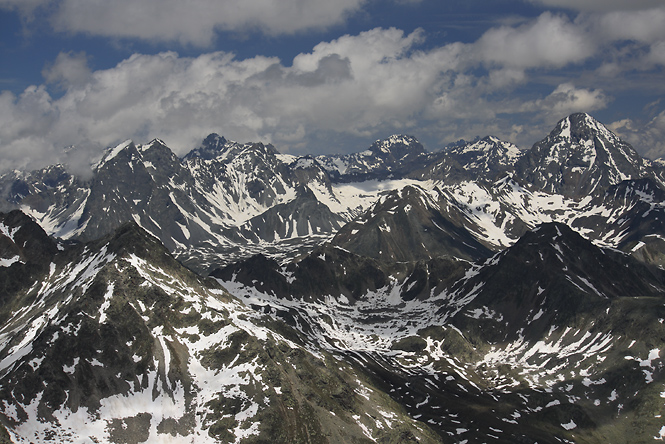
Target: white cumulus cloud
[(567, 99), (549, 41)]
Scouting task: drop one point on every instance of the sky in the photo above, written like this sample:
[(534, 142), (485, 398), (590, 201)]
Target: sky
[(321, 76)]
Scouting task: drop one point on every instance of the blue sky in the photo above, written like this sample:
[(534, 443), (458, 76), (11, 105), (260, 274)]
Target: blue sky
[(315, 76)]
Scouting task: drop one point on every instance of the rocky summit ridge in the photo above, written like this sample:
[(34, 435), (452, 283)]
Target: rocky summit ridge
[(239, 295)]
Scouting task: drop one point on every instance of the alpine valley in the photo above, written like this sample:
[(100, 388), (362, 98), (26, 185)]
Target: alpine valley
[(476, 294)]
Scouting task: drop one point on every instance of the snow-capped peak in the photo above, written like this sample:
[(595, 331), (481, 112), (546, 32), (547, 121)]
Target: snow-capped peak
[(213, 146), (152, 143), (578, 157), (399, 145), (111, 153), (579, 127)]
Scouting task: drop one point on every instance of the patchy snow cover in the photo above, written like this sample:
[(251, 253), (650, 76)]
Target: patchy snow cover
[(7, 262), (9, 232), (111, 154)]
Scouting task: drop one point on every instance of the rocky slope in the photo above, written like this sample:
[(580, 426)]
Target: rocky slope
[(114, 341), (479, 294), (535, 344)]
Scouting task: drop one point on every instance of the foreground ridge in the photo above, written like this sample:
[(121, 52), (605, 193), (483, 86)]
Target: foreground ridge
[(115, 340), (119, 343)]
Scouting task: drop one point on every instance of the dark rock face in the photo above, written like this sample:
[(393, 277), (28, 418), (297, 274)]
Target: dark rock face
[(408, 226), (212, 147), (554, 271)]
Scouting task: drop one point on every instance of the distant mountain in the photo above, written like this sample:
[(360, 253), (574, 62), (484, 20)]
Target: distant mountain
[(475, 294), (579, 157), (227, 201), (408, 225), (485, 158), (390, 158)]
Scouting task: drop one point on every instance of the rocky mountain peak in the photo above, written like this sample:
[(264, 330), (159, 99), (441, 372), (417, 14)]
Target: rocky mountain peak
[(580, 127), (487, 157), (406, 225), (214, 139), (390, 157), (218, 147), (125, 149), (579, 157), (23, 240), (157, 153), (397, 147), (213, 146), (551, 275)]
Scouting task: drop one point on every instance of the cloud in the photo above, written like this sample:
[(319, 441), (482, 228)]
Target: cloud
[(25, 7), (69, 69), (656, 54), (567, 99), (648, 138), (549, 41), (194, 22), (645, 26), (599, 5), (362, 85)]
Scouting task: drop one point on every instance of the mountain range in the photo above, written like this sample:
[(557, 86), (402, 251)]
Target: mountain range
[(480, 293)]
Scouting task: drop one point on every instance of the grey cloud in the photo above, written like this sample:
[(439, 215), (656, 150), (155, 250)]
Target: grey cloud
[(196, 21), (600, 5), (566, 99), (331, 68), (644, 26), (549, 41), (648, 139), (69, 69), (25, 7)]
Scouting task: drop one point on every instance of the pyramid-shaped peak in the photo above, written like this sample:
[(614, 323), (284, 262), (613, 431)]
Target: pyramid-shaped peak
[(549, 231), (113, 152), (490, 139), (214, 139), (581, 126), (579, 157), (153, 143), (213, 146)]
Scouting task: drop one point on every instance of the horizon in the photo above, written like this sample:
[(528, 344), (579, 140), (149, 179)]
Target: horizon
[(320, 78)]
